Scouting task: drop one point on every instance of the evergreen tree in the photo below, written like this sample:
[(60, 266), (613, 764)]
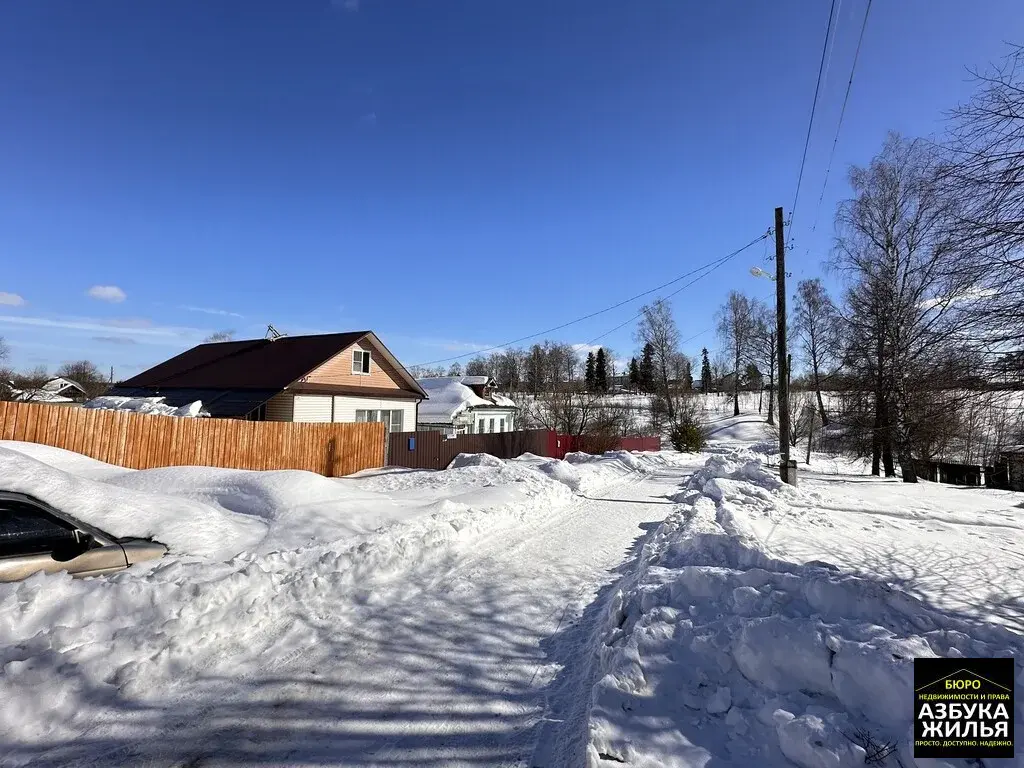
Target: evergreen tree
[(647, 371), (634, 374), (705, 371), (601, 371), (589, 375), (752, 377)]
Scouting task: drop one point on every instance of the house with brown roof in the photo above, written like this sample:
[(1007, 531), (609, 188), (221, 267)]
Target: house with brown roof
[(343, 377)]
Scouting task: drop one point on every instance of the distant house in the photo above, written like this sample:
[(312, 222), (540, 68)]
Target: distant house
[(57, 391), (335, 377), (465, 405), (1013, 457)]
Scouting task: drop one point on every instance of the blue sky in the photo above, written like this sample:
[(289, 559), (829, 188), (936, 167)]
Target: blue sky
[(449, 174)]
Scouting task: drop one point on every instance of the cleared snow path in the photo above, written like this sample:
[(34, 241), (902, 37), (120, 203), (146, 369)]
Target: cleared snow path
[(481, 661)]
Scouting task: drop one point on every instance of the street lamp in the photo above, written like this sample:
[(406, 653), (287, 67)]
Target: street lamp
[(758, 272)]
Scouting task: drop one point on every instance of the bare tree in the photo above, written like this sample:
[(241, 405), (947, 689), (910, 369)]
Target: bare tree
[(86, 374), (577, 413), (737, 329), (535, 369), (903, 303), (454, 370), (766, 351), (29, 383), (817, 328), (426, 372), (986, 175), (509, 368), (6, 373), (658, 328), (218, 336), (478, 366)]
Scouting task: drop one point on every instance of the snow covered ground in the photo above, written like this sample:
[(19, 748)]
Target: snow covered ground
[(641, 609), (373, 620), (768, 625)]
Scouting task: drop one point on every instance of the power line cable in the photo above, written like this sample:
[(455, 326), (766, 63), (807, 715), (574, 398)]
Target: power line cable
[(814, 106), (711, 266), (842, 113)]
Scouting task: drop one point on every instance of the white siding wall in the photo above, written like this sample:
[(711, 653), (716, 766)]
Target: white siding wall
[(312, 408), (287, 407), (486, 416), (279, 408), (345, 408)]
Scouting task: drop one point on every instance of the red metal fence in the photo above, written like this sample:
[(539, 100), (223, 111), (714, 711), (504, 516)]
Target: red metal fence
[(641, 444), (559, 445), (431, 450)]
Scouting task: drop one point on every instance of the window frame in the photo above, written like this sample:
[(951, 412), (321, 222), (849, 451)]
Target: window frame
[(44, 510), (364, 365)]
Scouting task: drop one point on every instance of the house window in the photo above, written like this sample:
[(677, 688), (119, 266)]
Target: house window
[(501, 427), (361, 362), (480, 428), (393, 420), (491, 427)]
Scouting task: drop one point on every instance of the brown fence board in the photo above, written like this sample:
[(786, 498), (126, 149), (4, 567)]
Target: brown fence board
[(142, 441), (433, 451)]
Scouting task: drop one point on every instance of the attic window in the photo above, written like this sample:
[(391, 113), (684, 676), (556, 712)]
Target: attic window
[(361, 362)]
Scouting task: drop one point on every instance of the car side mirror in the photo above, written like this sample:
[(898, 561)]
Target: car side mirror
[(70, 550)]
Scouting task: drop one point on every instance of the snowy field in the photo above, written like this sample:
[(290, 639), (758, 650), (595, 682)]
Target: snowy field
[(653, 609), (305, 620), (768, 625)]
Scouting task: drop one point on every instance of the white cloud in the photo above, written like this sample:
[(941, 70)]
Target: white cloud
[(110, 293), (369, 119), (141, 330), (11, 299), (114, 339), (971, 294), (211, 311), (127, 322)]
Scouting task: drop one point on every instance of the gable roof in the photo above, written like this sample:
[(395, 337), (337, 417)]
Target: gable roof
[(59, 384), (450, 396), (258, 363)]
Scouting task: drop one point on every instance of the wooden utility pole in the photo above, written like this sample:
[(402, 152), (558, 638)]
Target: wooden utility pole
[(782, 367)]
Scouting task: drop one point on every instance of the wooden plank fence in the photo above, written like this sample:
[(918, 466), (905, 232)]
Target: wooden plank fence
[(143, 441)]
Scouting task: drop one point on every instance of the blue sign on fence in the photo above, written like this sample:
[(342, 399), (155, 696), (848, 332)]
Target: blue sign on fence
[(412, 443)]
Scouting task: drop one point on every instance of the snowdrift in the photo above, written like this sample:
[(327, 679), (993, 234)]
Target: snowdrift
[(150, 405), (715, 652), (263, 566), (185, 526)]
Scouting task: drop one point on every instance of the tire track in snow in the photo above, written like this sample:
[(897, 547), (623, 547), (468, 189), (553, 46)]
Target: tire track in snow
[(491, 547)]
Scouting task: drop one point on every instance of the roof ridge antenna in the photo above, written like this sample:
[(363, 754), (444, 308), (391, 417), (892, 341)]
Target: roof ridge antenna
[(273, 334)]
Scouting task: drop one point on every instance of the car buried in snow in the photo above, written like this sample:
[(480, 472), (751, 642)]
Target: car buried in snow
[(35, 537)]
